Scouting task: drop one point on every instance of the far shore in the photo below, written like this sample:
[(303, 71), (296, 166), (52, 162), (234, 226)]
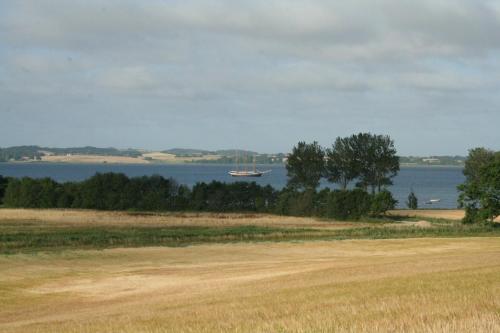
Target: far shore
[(96, 159), (149, 158)]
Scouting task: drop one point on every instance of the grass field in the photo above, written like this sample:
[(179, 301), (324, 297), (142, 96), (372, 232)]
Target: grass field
[(411, 285), (86, 271)]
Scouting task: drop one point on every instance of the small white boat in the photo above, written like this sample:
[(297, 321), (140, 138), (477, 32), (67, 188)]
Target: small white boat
[(432, 201)]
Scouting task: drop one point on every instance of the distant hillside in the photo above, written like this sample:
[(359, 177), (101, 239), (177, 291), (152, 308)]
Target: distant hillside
[(199, 152), (21, 153), (188, 152), (245, 159), (234, 152), (183, 155), (225, 156)]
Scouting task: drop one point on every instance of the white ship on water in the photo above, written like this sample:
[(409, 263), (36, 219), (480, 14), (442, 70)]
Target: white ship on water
[(247, 173)]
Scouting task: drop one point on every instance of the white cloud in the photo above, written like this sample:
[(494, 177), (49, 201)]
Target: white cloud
[(406, 27), (293, 57)]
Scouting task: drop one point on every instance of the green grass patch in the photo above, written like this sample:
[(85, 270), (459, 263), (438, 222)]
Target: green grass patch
[(30, 236)]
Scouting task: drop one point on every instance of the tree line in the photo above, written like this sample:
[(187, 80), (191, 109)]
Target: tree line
[(116, 191)]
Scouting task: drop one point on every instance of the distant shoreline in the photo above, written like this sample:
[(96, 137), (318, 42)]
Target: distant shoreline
[(94, 155), (409, 165), (143, 162)]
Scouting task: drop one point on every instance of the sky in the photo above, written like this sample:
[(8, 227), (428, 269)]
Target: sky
[(258, 75)]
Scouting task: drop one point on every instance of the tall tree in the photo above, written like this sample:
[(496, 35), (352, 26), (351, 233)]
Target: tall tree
[(305, 166), (341, 165), (377, 160), (478, 157), (480, 194)]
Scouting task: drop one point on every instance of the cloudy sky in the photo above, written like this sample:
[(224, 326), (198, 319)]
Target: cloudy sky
[(260, 75)]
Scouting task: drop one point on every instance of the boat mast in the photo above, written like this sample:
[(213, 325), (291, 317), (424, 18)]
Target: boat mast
[(254, 168), (237, 160)]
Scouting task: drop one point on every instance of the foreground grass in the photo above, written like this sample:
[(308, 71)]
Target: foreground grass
[(405, 285)]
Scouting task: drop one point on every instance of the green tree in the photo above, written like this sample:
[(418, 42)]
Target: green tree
[(3, 185), (477, 158), (412, 202), (480, 194), (376, 159), (305, 166), (341, 164)]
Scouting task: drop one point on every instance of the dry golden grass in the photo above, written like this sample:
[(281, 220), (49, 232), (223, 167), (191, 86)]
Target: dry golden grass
[(155, 156), (412, 285), (93, 159), (69, 217), (449, 214)]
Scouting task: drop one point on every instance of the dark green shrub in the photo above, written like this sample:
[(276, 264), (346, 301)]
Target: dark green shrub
[(348, 204), (3, 185), (321, 202), (284, 201), (412, 201), (31, 193), (302, 203), (382, 202)]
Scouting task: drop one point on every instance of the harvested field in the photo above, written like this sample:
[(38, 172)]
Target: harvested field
[(73, 217), (448, 214), (410, 285)]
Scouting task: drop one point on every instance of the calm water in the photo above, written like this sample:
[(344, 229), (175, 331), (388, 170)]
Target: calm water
[(427, 182)]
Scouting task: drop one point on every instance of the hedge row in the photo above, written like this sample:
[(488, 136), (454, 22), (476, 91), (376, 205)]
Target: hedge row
[(116, 191)]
